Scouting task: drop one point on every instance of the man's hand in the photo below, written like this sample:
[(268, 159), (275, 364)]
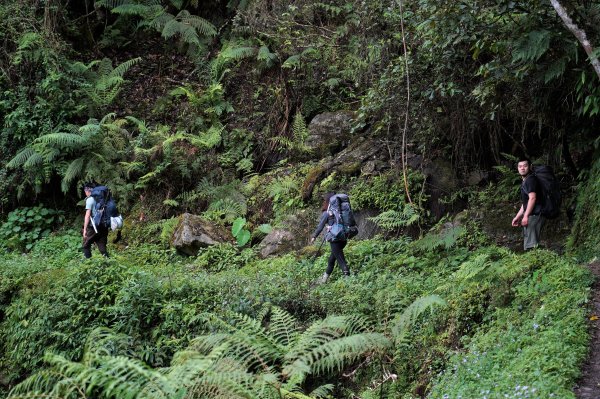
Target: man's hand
[(515, 221), (312, 239), (525, 221), (84, 234)]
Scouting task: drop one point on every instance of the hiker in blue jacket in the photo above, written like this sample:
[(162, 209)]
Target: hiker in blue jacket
[(337, 247)]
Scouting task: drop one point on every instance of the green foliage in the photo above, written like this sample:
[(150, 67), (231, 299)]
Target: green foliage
[(156, 298), (296, 144), (386, 193), (87, 153), (240, 231), (216, 258), (395, 220), (192, 30), (206, 107), (103, 82), (512, 356), (445, 239), (25, 226), (231, 53), (241, 234), (582, 241)]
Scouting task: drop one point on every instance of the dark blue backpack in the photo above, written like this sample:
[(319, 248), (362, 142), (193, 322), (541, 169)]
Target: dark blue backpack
[(105, 206)]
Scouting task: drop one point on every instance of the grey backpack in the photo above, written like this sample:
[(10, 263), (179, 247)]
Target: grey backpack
[(344, 227)]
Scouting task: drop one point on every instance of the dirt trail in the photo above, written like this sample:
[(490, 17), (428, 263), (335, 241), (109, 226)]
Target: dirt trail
[(589, 384)]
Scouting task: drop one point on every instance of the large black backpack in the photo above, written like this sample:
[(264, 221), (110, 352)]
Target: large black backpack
[(106, 207), (345, 225), (550, 190)]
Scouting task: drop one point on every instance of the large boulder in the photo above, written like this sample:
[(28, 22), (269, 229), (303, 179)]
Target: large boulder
[(194, 232), (329, 132), (276, 242), (441, 181), (366, 228), (293, 234)]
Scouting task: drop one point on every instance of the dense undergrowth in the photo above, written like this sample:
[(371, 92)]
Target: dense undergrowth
[(205, 107), (511, 324)]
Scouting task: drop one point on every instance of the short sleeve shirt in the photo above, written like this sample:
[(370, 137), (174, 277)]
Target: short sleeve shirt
[(90, 203), (530, 185)]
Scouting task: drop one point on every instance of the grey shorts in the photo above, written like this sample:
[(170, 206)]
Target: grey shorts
[(531, 232)]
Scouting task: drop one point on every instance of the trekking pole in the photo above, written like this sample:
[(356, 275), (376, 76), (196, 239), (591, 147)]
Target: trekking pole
[(318, 250)]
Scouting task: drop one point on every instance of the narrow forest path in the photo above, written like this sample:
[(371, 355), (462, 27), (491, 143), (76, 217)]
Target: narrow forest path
[(589, 384)]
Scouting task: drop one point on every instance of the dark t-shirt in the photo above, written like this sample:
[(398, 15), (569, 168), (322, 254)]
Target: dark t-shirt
[(530, 185)]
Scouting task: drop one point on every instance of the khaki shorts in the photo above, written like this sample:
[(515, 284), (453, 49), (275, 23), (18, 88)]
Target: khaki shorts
[(531, 232)]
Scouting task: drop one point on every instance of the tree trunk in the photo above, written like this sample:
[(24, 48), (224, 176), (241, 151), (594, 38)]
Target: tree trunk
[(579, 34)]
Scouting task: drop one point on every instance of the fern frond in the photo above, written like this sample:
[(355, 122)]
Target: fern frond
[(200, 25), (237, 53), (322, 391), (282, 187), (122, 68), (226, 209), (212, 137), (299, 129), (402, 322), (336, 354), (323, 331), (283, 327), (139, 124), (473, 267), (73, 171), (266, 57), (62, 140), (446, 239), (34, 161), (532, 46)]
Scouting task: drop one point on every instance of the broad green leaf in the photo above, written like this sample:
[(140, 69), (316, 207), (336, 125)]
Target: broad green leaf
[(238, 225)]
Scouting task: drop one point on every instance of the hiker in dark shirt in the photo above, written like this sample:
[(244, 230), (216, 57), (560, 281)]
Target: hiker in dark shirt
[(529, 215), (337, 247)]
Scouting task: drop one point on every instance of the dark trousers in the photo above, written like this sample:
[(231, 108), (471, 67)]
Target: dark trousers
[(337, 253), (100, 238)]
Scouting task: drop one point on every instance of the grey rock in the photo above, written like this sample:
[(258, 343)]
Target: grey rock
[(329, 132), (366, 228), (477, 177), (194, 232), (441, 182), (276, 242)]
